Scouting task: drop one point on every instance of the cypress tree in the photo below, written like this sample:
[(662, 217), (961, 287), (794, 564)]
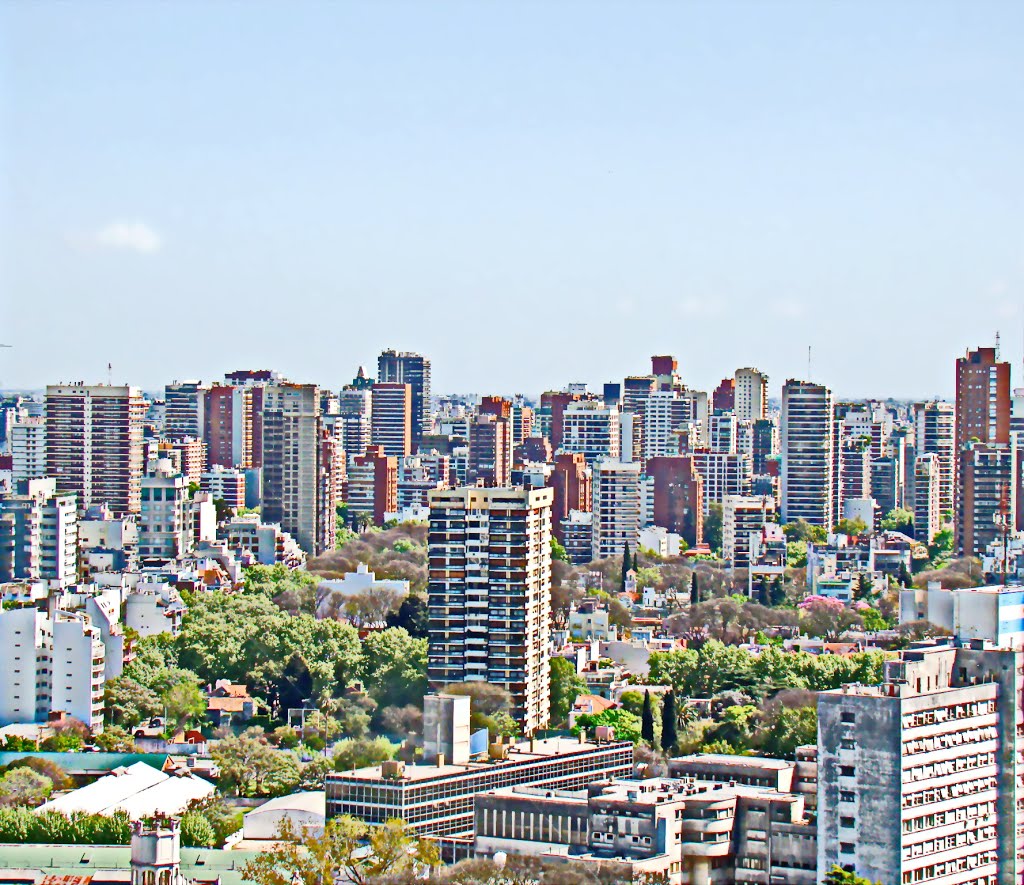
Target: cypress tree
[(669, 735), (626, 566), (647, 720), (694, 589), (777, 595)]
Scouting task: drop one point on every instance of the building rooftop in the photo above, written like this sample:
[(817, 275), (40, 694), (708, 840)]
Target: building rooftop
[(517, 753)]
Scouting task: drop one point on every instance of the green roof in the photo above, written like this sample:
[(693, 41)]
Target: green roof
[(92, 761), (71, 860)]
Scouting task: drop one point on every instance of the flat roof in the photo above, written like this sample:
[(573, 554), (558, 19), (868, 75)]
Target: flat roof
[(546, 748)]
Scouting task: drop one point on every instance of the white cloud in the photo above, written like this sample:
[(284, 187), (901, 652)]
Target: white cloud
[(136, 236)]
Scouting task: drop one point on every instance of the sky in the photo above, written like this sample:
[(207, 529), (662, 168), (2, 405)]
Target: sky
[(530, 193)]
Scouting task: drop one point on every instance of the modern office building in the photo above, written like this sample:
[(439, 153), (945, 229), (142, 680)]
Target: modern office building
[(751, 395), (352, 423), (616, 507), (437, 798), (39, 534), (412, 369), (294, 466), (806, 439), (489, 593), (94, 444), (919, 778), (391, 418)]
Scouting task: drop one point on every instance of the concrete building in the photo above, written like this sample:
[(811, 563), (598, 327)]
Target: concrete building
[(982, 398), (225, 484), (184, 403), (743, 516), (94, 444), (751, 395), (588, 621), (665, 413), (412, 369), (39, 534), (28, 448), (592, 429), (228, 426), (373, 484), (489, 593), (927, 497), (721, 474), (165, 523), (353, 421), (570, 481), (53, 664), (919, 777), (438, 799), (264, 543), (391, 418), (294, 464), (934, 435), (578, 536), (307, 812), (616, 507), (677, 496), (807, 440), (987, 495), (723, 433), (490, 450), (994, 614)]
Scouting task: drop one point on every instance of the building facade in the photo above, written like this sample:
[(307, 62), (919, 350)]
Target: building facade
[(806, 439)]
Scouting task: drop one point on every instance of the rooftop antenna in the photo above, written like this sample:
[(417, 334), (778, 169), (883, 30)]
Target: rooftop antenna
[(997, 344), (110, 375), (808, 362)]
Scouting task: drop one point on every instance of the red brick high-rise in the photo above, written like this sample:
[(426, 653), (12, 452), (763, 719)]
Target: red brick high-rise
[(571, 483), (982, 398), (490, 450), (228, 425), (558, 401), (678, 496), (724, 397)]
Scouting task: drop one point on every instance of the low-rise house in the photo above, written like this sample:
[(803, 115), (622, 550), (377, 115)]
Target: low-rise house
[(229, 704)]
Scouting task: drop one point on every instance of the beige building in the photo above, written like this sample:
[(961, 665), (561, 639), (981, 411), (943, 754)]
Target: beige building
[(490, 593)]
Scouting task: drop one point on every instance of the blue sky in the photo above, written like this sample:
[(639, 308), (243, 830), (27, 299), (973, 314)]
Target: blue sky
[(530, 193)]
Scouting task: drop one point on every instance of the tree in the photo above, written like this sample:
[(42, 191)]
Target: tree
[(647, 720), (826, 617), (184, 703), (785, 729), (294, 686), (853, 527), (114, 739), (407, 720), (776, 594), (196, 831), (66, 740), (372, 605), (224, 818), (898, 520), (905, 578), (394, 667), (619, 615), (626, 566), (250, 766), (24, 788), (348, 850), (802, 530), (838, 876), (50, 770), (412, 616), (566, 686), (713, 526), (694, 588), (490, 706), (669, 732), (796, 554), (128, 702), (558, 551), (361, 753), (626, 725)]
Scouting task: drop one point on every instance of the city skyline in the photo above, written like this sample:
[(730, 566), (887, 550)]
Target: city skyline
[(649, 176)]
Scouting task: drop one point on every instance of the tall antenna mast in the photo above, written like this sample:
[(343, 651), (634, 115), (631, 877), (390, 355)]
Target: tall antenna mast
[(808, 362), (110, 375), (997, 344)]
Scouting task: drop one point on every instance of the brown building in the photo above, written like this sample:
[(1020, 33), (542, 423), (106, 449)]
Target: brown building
[(982, 398), (495, 405), (571, 483), (724, 397), (372, 484), (558, 401), (490, 450), (227, 426), (987, 496), (391, 418), (534, 448), (664, 366), (678, 496)]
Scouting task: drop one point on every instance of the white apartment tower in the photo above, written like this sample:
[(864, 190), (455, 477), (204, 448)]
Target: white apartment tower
[(28, 448), (39, 534), (592, 428), (807, 441), (165, 524), (934, 426), (751, 395), (927, 497), (94, 444), (742, 515), (616, 506), (53, 664), (489, 594)]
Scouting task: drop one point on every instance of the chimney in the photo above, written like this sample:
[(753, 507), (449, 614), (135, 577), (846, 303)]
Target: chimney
[(583, 735), (440, 760)]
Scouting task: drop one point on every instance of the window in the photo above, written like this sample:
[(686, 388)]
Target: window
[(846, 796), (847, 771), (846, 848), (846, 822), (849, 718)]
